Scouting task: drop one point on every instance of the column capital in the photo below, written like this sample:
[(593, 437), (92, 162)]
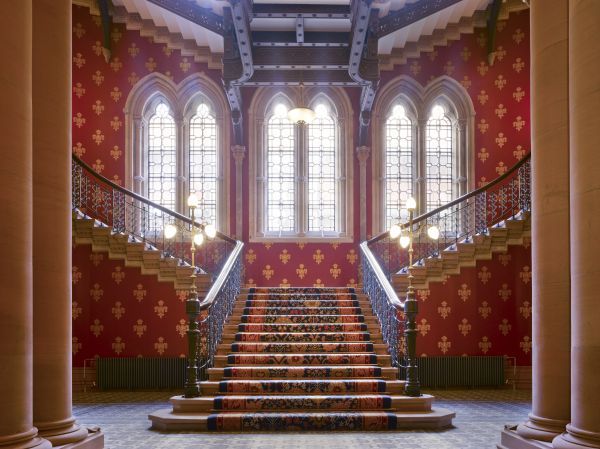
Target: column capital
[(363, 153), (239, 152)]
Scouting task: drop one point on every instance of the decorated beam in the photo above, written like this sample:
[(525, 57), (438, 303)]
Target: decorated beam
[(274, 11), (194, 13), (295, 77), (290, 39), (292, 58)]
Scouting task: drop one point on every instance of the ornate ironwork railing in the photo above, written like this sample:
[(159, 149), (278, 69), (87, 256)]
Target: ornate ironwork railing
[(458, 221), (130, 214)]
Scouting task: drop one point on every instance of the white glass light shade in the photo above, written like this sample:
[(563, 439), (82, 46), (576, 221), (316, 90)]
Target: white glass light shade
[(404, 241), (301, 115), (199, 239), (395, 231), (433, 232), (411, 203), (210, 231), (192, 200), (170, 231)]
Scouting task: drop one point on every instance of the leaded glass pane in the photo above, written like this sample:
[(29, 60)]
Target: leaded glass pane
[(162, 154), (322, 173), (438, 162), (398, 167), (203, 162), (280, 171)]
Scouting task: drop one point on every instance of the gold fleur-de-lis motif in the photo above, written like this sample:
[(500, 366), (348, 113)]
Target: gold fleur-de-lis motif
[(504, 259), (118, 310), (518, 36), (519, 152), (79, 149), (96, 328), (505, 327), (116, 94), (518, 65), (482, 182), (484, 275), (352, 283), (167, 51), (98, 107), (335, 245), (483, 155), (118, 275), (182, 328), (185, 65), (161, 345), (150, 64), (464, 327), (96, 258), (133, 78), (267, 245), (415, 68), (301, 271), (526, 242), (75, 310), (518, 123), (133, 50), (505, 292), (525, 274), (318, 283), (525, 344), (449, 68), (78, 30), (285, 256), (268, 272), (483, 126), (423, 294), (75, 345), (483, 97), (98, 77), (250, 256), (79, 60), (301, 245), (116, 65), (482, 68), (250, 283), (525, 309), (335, 271), (444, 310), (117, 180), (501, 25), (284, 283), (481, 39), (139, 292), (139, 328), (116, 123), (464, 292), (466, 82), (485, 344), (433, 55), (500, 82), (444, 344), (98, 137), (423, 327), (500, 53), (352, 257), (500, 111), (79, 120), (318, 257), (161, 309), (79, 90), (501, 140), (97, 48), (518, 94), (118, 345), (501, 168), (116, 152), (182, 294), (465, 54), (484, 309), (76, 275), (116, 34), (96, 292)]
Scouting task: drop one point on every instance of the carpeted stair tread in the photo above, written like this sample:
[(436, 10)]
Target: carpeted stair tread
[(304, 290), (301, 359), (294, 311), (299, 372), (302, 303), (312, 402), (303, 386), (301, 337), (298, 347), (292, 319), (303, 327)]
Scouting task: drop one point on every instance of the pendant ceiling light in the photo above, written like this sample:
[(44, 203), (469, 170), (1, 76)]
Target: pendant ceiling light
[(302, 113)]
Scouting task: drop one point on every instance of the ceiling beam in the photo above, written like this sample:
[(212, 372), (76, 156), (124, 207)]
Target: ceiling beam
[(295, 77), (411, 13), (191, 11), (274, 11), (290, 39), (300, 58)]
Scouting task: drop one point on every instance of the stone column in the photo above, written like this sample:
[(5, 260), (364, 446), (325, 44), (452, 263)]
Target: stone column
[(584, 102), (239, 152), (550, 221), (362, 153), (51, 85), (16, 329)]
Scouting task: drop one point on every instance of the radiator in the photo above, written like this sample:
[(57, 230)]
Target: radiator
[(152, 373), (475, 371)]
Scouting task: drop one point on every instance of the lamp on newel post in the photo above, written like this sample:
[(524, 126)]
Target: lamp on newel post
[(411, 305)]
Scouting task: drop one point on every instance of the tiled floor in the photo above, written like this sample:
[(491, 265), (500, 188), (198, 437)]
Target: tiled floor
[(480, 416)]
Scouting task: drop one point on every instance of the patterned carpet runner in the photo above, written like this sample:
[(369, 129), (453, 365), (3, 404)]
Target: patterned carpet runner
[(302, 359)]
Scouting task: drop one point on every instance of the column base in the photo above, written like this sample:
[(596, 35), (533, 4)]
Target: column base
[(25, 440), (62, 432), (510, 439), (543, 429), (575, 438)]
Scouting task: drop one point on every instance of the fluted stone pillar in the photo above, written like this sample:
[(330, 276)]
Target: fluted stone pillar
[(550, 221), (16, 330), (363, 153), (239, 152), (583, 431)]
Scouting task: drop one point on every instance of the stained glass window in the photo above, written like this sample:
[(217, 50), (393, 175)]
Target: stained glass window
[(398, 165), (162, 156), (438, 159), (203, 162)]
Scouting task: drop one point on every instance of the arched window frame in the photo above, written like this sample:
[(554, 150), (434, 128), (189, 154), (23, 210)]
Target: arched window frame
[(182, 98), (261, 110), (418, 102)]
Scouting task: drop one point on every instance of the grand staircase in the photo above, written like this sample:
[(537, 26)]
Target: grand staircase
[(301, 359)]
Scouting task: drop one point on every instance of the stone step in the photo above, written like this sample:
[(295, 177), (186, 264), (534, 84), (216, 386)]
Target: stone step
[(300, 347), (302, 359), (298, 311), (302, 386), (301, 319), (297, 337), (295, 372)]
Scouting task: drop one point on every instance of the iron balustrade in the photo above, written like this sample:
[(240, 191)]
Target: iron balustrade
[(130, 214)]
